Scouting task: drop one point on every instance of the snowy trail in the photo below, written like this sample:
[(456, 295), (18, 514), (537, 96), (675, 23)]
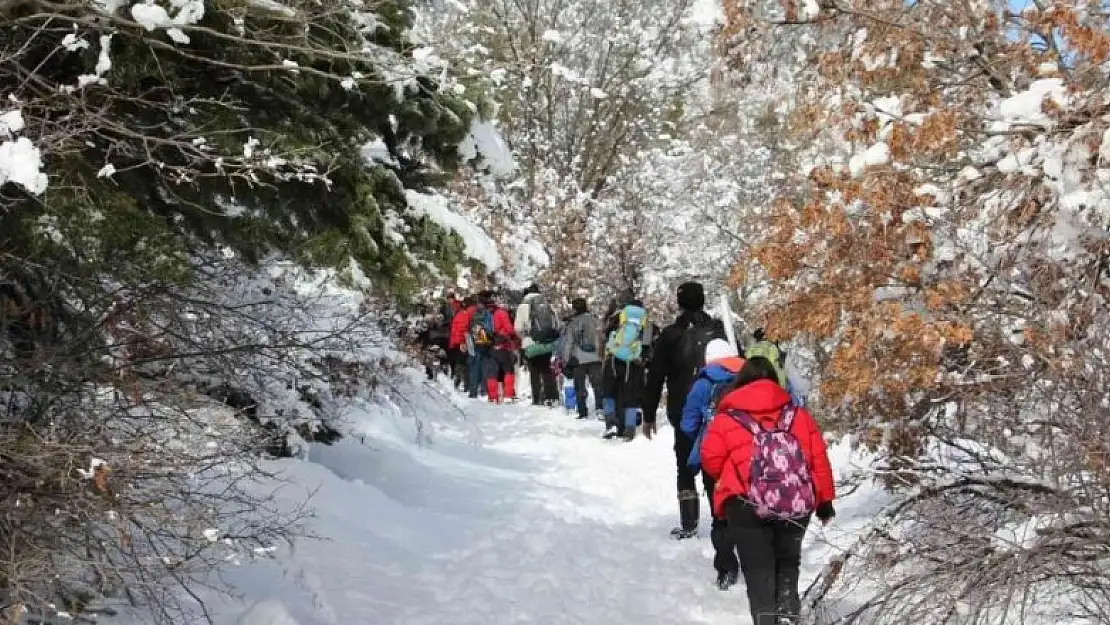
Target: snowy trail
[(517, 515)]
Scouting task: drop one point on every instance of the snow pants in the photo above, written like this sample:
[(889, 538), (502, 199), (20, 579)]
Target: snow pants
[(683, 445), (500, 371), (623, 386), (542, 378), (770, 559), (724, 549), (591, 372)]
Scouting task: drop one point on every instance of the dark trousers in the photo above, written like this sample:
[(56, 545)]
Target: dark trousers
[(683, 445), (458, 366), (623, 384), (724, 549), (591, 372), (542, 378), (770, 559)]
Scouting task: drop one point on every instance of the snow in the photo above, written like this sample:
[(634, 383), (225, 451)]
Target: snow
[(21, 163), (482, 514), (877, 154), (437, 208), (11, 122), (485, 143), (1026, 108)]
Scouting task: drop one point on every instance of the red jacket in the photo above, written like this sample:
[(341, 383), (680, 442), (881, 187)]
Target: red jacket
[(726, 451), (502, 328), (460, 325)]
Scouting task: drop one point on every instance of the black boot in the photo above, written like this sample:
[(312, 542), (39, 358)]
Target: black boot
[(727, 579), (689, 507)]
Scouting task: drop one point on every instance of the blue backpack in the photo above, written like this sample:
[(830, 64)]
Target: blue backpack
[(481, 328), (694, 459), (625, 343)]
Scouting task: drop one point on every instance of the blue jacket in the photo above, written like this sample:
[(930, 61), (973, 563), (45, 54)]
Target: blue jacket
[(695, 417)]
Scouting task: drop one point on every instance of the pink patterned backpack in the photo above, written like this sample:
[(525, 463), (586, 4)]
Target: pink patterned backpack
[(780, 485)]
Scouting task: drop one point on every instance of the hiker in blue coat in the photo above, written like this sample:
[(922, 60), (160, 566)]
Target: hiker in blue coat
[(722, 364)]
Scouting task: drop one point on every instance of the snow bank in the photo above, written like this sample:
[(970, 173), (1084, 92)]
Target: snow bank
[(479, 245)]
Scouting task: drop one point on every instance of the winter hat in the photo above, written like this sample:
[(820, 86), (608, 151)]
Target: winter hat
[(691, 296), (579, 306), (532, 288), (719, 349)]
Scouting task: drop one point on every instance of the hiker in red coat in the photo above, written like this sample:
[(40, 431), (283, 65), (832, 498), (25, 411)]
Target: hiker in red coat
[(456, 345), (768, 485), (500, 367)]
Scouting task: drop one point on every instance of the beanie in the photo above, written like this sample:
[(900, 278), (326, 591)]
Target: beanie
[(579, 305), (691, 296), (719, 349)]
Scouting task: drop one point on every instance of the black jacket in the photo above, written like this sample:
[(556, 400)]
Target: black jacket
[(665, 366)]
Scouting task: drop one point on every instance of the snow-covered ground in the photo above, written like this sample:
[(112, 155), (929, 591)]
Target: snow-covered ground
[(502, 514)]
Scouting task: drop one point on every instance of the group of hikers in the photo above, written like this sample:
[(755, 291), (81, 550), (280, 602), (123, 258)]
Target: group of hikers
[(762, 458)]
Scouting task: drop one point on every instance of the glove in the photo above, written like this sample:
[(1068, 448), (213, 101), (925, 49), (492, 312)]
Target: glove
[(826, 512)]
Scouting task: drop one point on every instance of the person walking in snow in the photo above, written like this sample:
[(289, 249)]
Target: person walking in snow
[(581, 338), (479, 344), (626, 351), (679, 355), (722, 363), (457, 343), (538, 328), (500, 364), (772, 473)]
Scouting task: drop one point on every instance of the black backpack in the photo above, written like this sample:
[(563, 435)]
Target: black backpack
[(695, 337)]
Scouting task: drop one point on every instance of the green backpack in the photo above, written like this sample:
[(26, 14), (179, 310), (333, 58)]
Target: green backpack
[(770, 351)]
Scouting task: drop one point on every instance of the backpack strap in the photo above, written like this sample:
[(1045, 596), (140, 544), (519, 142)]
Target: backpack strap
[(746, 421), (786, 419)]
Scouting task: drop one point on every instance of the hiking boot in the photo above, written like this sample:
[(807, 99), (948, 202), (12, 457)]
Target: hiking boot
[(689, 508), (629, 435), (727, 579), (610, 433), (679, 533)]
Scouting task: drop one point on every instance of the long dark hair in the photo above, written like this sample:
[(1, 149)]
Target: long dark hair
[(754, 369)]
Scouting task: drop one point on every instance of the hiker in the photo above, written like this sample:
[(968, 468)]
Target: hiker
[(679, 355), (479, 344), (500, 365), (762, 346), (623, 369), (456, 344), (538, 327), (722, 362), (772, 473), (580, 352)]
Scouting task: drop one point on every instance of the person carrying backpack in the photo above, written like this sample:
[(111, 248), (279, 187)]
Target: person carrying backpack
[(457, 343), (722, 363), (479, 344), (772, 474), (500, 365), (582, 354), (679, 354), (623, 370), (538, 327)]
